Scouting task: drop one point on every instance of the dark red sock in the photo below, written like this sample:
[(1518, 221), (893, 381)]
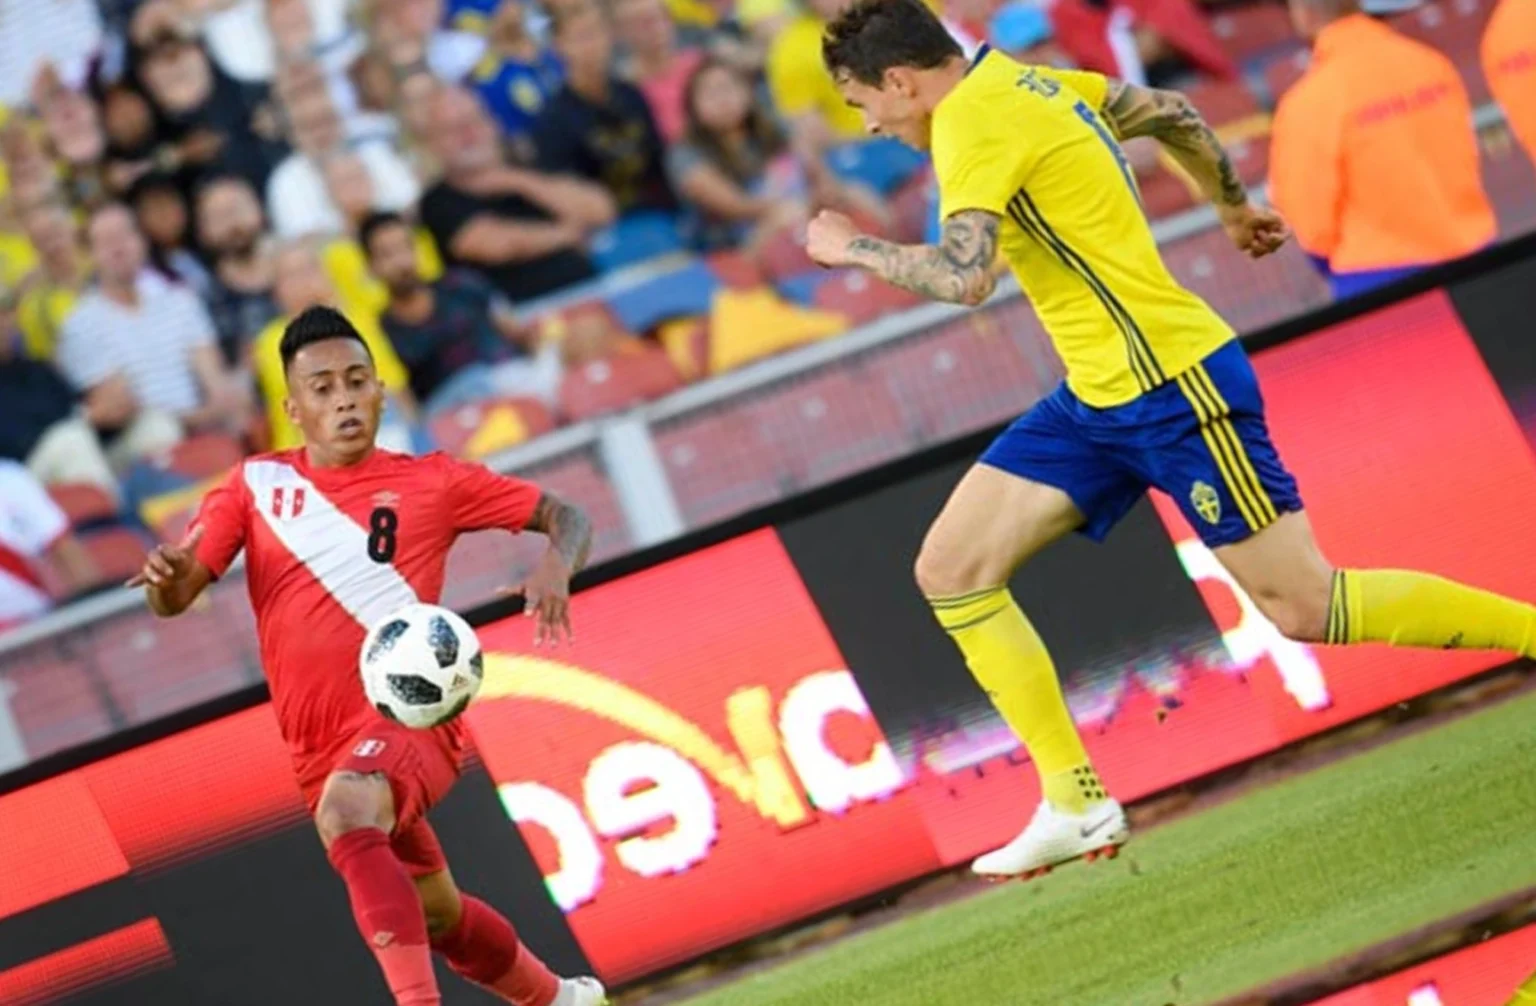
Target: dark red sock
[(484, 948), (388, 913)]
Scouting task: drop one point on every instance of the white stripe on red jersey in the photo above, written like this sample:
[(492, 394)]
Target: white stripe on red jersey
[(329, 543)]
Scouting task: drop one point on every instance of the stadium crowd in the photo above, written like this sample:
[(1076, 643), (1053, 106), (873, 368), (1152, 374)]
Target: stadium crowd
[(473, 180)]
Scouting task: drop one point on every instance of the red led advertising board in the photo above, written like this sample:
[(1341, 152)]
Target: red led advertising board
[(1407, 457), (699, 765), (1484, 974)]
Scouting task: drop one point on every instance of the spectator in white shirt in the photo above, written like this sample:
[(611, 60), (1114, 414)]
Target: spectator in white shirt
[(328, 184), (36, 547), (143, 350)]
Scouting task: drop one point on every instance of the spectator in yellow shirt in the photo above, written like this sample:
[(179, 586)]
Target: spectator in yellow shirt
[(1373, 157), (803, 90), (48, 295), (1509, 63), (301, 282)]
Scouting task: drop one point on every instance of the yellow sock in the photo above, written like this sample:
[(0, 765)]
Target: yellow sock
[(1009, 660), (1405, 608)]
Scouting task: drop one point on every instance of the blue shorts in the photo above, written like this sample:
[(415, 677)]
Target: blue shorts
[(1200, 438)]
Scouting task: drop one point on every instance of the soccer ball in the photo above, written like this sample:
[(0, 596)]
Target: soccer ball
[(421, 665)]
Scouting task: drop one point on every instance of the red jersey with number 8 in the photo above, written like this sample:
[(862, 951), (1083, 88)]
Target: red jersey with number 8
[(331, 551)]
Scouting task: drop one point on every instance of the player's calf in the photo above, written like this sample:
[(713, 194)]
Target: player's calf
[(354, 817)]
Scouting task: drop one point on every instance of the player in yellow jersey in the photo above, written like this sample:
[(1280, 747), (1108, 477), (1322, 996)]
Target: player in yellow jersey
[(1158, 390)]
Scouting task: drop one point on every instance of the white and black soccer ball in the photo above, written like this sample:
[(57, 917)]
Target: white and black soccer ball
[(421, 665)]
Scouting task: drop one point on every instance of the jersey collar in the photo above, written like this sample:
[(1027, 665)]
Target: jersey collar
[(981, 54)]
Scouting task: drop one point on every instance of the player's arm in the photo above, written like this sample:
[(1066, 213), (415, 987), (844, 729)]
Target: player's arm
[(567, 527), (547, 591), (173, 577), (1173, 120), (958, 269)]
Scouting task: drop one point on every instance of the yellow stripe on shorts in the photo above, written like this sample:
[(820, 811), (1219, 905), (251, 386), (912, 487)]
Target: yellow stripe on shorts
[(1226, 449)]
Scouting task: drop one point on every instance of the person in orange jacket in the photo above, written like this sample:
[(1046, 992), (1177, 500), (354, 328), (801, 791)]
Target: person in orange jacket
[(1509, 63), (1373, 155)]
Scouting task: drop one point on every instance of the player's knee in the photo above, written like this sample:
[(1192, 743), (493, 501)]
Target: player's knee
[(944, 572), (351, 805), (1300, 614)]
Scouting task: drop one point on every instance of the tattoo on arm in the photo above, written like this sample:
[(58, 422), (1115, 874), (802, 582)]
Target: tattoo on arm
[(1173, 121), (958, 269), (567, 526)]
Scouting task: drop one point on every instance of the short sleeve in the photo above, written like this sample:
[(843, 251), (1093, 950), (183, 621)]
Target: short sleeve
[(480, 499), (36, 521), (445, 213), (1091, 87), (85, 353), (978, 165), (223, 518)]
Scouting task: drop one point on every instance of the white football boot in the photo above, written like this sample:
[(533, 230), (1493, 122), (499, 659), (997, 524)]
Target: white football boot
[(581, 992), (1054, 836)]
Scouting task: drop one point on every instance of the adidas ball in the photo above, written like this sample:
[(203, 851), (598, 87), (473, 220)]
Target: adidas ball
[(421, 665)]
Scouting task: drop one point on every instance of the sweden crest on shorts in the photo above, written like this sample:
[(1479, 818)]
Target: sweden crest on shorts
[(1205, 501)]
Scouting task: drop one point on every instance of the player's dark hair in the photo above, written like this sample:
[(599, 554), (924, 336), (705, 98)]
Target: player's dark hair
[(372, 224), (873, 36), (317, 324)]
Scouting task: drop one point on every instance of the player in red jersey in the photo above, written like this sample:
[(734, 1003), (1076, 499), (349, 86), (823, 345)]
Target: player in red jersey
[(338, 534)]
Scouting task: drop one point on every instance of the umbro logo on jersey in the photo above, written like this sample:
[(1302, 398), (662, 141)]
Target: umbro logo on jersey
[(386, 498)]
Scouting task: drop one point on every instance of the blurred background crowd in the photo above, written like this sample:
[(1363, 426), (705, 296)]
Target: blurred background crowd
[(543, 211)]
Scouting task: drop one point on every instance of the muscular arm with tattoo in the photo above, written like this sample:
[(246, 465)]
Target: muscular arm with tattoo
[(547, 591), (1172, 119), (958, 269)]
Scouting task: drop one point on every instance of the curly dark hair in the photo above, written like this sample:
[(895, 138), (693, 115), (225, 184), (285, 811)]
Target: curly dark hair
[(873, 36)]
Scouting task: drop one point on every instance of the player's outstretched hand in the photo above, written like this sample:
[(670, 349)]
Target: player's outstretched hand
[(547, 597), (827, 238), (167, 564), (1255, 230)]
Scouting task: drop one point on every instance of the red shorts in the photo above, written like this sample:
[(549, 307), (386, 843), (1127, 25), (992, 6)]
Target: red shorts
[(421, 766)]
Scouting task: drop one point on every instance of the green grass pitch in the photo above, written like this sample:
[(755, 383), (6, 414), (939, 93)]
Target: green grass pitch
[(1279, 880)]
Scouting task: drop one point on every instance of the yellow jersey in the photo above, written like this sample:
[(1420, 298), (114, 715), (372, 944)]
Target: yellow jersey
[(1027, 144)]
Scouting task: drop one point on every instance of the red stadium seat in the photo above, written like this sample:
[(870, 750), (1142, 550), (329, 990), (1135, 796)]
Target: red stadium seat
[(482, 428), (1284, 71), (977, 371), (1455, 27), (910, 207), (54, 701), (735, 270), (84, 504), (1163, 194), (204, 455), (1223, 101), (634, 375), (711, 475), (781, 255), (862, 298), (117, 551), (1253, 30), (830, 425)]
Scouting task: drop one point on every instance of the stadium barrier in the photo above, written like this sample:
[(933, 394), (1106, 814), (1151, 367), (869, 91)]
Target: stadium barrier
[(760, 722)]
